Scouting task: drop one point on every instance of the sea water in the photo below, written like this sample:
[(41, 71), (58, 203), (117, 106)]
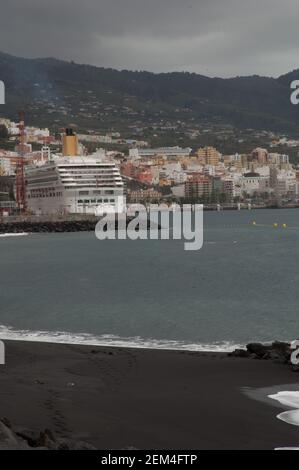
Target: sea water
[(241, 286)]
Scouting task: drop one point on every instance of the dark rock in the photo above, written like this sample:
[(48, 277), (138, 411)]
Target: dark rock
[(9, 440), (28, 435), (239, 353), (47, 439), (283, 349), (71, 444), (257, 348), (6, 422), (277, 351), (276, 357), (59, 226), (6, 434), (26, 439)]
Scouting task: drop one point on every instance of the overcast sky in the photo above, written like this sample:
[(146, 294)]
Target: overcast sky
[(211, 37)]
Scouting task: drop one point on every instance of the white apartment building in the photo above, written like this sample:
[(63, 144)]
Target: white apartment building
[(6, 167), (286, 183), (166, 151), (174, 172), (278, 159), (252, 183)]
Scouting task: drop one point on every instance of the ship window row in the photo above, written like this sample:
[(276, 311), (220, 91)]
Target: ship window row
[(82, 179), (88, 178), (88, 186), (35, 180), (90, 175), (94, 201), (89, 182), (90, 172), (86, 193), (86, 167), (40, 190), (41, 195)]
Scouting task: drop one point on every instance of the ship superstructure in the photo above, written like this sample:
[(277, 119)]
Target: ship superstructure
[(72, 184)]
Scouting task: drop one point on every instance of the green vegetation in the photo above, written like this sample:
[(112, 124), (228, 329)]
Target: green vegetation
[(3, 132), (6, 188), (104, 99)]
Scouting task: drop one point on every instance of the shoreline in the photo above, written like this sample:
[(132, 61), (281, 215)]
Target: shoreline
[(30, 225), (120, 398), (86, 223), (8, 333), (113, 341)]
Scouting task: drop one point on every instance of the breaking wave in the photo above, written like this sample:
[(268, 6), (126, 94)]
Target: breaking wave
[(291, 400), (21, 234), (8, 333)]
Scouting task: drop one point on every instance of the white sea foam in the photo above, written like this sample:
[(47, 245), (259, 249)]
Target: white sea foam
[(289, 399), (290, 417), (287, 448), (5, 235), (9, 333)]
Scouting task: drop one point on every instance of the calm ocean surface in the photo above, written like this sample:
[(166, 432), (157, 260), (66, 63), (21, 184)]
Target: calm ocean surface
[(243, 285)]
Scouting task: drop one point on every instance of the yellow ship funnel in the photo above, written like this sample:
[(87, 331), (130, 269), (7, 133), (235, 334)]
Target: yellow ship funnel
[(70, 143)]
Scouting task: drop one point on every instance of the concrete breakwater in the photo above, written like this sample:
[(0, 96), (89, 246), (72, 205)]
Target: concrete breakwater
[(48, 227), (35, 225)]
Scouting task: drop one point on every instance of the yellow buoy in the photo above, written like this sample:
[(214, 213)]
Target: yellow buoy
[(284, 225), (275, 225), (254, 222)]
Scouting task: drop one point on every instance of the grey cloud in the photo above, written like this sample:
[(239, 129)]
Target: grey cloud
[(214, 37)]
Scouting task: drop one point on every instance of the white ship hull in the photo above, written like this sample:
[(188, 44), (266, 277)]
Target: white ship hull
[(74, 185)]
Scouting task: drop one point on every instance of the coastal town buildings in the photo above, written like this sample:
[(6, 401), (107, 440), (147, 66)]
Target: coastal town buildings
[(207, 174), (209, 155), (167, 151), (176, 172)]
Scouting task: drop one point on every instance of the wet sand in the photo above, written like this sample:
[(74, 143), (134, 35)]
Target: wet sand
[(116, 398)]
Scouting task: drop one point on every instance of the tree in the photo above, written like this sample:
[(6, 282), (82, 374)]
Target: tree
[(3, 132)]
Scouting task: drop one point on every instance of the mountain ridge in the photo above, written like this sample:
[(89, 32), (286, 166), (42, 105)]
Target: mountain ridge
[(49, 87)]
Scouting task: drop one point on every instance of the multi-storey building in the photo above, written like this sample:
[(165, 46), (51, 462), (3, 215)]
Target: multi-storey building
[(198, 186), (209, 155)]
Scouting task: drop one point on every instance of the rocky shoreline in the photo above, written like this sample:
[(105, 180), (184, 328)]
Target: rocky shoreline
[(27, 439), (48, 227), (56, 226), (277, 351)]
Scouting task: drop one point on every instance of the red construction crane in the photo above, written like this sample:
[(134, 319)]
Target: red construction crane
[(20, 164)]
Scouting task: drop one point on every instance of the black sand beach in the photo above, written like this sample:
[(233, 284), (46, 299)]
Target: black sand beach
[(116, 398)]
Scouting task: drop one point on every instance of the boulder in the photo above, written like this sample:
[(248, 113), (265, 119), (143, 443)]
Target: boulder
[(47, 439), (239, 353), (9, 440), (28, 435), (7, 435), (259, 349), (277, 351)]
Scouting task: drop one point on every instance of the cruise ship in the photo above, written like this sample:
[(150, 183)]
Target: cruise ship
[(74, 184)]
